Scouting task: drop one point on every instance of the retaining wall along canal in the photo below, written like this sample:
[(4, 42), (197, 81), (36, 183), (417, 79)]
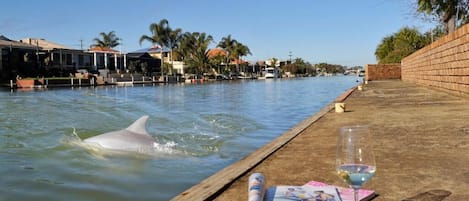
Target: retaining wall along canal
[(443, 64), (382, 71)]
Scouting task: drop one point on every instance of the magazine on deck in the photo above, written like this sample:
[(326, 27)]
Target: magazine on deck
[(311, 191), (346, 194), (302, 193)]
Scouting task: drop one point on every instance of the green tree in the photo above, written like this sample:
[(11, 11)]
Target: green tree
[(185, 47), (330, 68), (240, 50), (434, 34), (194, 48), (227, 44), (273, 62), (107, 40), (448, 12), (174, 37), (299, 66), (216, 61), (394, 48), (162, 35), (384, 49)]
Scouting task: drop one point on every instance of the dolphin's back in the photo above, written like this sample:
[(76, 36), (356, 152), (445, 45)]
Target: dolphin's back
[(138, 127), (133, 138)]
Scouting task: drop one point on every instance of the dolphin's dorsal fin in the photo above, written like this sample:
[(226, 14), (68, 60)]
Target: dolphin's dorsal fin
[(138, 126)]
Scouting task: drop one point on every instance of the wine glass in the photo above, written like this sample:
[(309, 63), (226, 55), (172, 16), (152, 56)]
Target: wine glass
[(355, 161)]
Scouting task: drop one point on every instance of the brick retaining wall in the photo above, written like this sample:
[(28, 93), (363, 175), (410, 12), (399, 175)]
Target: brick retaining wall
[(382, 71), (443, 64)]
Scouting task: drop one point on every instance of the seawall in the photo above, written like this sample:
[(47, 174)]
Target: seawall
[(443, 64)]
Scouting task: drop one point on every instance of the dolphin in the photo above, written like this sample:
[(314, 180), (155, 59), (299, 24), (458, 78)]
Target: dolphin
[(133, 138)]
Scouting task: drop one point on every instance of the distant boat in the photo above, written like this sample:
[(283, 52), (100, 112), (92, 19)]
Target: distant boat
[(270, 73), (361, 73)]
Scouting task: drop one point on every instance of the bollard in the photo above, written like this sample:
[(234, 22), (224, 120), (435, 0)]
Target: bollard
[(366, 81), (11, 84), (339, 107), (360, 87), (79, 82), (71, 82)]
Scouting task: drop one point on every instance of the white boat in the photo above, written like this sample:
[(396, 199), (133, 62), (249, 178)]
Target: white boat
[(361, 73), (270, 73)]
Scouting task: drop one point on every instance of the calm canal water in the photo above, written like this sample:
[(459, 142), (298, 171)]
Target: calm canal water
[(200, 129)]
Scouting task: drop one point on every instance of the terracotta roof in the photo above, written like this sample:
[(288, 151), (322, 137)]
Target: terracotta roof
[(218, 51), (238, 61), (215, 52), (102, 49)]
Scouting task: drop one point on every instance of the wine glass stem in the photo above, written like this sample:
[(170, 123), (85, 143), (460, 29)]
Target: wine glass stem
[(355, 194)]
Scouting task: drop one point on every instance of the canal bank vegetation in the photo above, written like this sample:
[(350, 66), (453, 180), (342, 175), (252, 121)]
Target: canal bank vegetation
[(447, 15)]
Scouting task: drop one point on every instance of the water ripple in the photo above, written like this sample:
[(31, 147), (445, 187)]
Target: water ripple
[(199, 128)]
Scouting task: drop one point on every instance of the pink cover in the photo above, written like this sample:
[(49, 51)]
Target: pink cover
[(346, 193)]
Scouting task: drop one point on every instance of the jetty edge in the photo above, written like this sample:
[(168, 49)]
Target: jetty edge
[(214, 185)]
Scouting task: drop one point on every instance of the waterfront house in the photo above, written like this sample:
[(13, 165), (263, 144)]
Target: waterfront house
[(17, 59), (219, 55), (106, 59), (142, 61), (157, 52), (60, 58)]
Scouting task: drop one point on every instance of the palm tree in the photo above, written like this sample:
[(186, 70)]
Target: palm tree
[(159, 36), (108, 40), (227, 44), (185, 45), (194, 49), (240, 50), (174, 37), (394, 48), (273, 62)]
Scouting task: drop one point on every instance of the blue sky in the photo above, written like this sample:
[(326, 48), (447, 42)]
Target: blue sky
[(338, 32)]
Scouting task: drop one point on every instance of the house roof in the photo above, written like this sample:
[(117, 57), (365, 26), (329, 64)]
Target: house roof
[(221, 52), (6, 42), (2, 37), (152, 49), (140, 55), (238, 61), (44, 44), (102, 49), (215, 52)]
